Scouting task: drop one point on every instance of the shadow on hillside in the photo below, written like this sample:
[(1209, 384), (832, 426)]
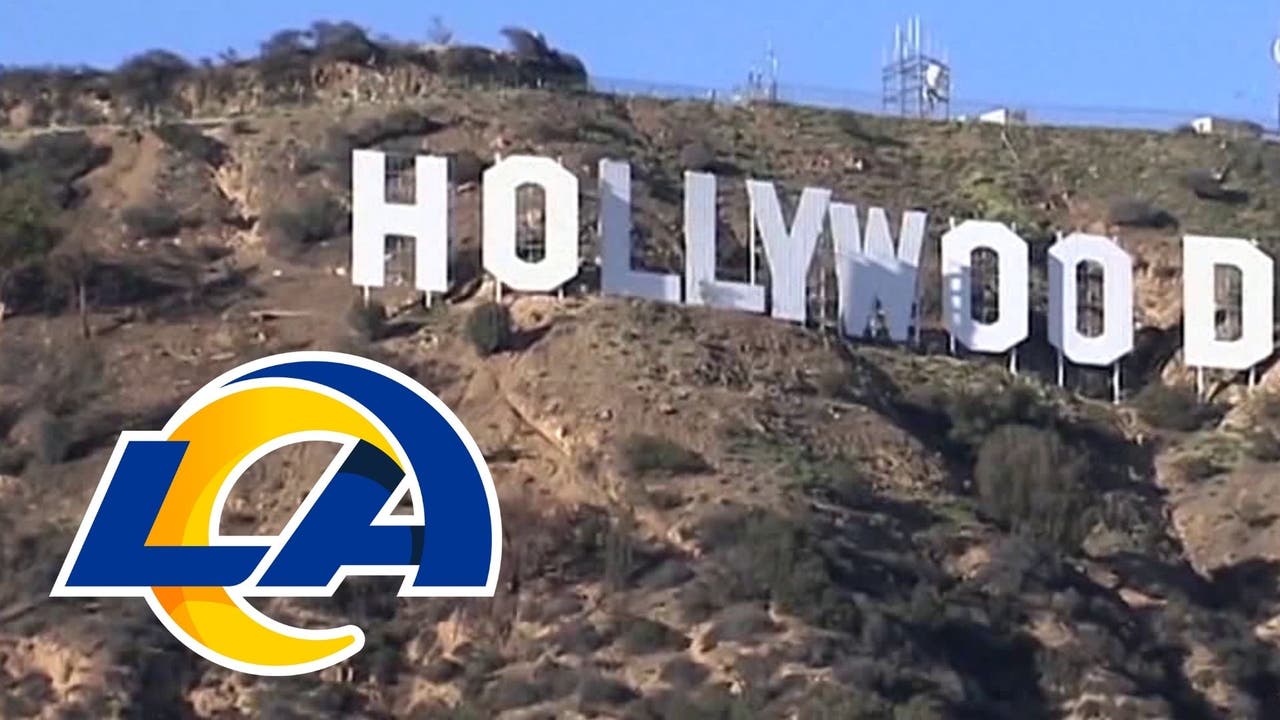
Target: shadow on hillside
[(1251, 586), (98, 429), (524, 339)]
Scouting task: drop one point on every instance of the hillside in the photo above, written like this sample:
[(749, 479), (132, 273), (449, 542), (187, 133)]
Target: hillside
[(708, 515)]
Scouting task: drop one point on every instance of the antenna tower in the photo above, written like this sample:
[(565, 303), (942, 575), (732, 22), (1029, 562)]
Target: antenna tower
[(916, 83), (763, 84)]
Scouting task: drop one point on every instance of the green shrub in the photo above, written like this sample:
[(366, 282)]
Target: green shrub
[(188, 140), (1029, 480), (489, 327), (70, 378), (148, 80), (1133, 212), (697, 156), (975, 412), (1264, 437), (771, 557), (28, 227), (369, 320), (153, 220), (61, 157), (344, 42), (466, 167), (307, 222), (1172, 408), (644, 455)]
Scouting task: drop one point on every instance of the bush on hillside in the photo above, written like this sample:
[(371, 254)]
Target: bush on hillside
[(526, 43), (772, 557), (344, 42), (61, 157), (149, 80), (1134, 212), (466, 167), (28, 229), (973, 413), (697, 156), (309, 221), (1030, 481), (489, 328), (644, 455), (191, 142), (152, 220), (69, 378), (284, 64), (368, 319), (1173, 407), (399, 123), (548, 63), (1264, 437)]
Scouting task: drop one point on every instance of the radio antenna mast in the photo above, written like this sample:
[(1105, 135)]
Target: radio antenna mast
[(915, 82)]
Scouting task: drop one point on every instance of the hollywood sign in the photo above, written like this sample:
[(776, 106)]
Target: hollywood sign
[(872, 269)]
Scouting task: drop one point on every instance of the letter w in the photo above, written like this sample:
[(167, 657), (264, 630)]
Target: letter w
[(870, 270)]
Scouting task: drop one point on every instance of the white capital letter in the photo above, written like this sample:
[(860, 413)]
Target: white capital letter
[(1201, 346), (1116, 339), (617, 276), (373, 219), (701, 286), (560, 190), (788, 252), (958, 245), (870, 269)]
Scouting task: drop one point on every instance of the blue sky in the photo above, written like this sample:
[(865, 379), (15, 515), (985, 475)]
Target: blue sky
[(1167, 54)]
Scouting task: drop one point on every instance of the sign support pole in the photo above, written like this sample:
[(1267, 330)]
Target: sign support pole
[(1115, 383)]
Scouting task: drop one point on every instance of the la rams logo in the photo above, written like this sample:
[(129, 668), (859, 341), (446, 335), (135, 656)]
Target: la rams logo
[(152, 528)]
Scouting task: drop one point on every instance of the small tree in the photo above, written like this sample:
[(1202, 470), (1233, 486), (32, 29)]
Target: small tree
[(70, 267), (149, 79), (369, 320), (1172, 407), (1030, 481), (152, 220), (27, 229), (343, 41), (489, 328), (284, 63)]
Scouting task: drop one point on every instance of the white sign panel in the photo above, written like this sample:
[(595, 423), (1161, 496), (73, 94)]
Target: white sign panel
[(560, 188), (1011, 325), (617, 277), (1116, 339), (700, 284), (426, 220), (1201, 346), (871, 270), (874, 270), (789, 252)]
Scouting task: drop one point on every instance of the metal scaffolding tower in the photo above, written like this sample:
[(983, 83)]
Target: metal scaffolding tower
[(915, 83)]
